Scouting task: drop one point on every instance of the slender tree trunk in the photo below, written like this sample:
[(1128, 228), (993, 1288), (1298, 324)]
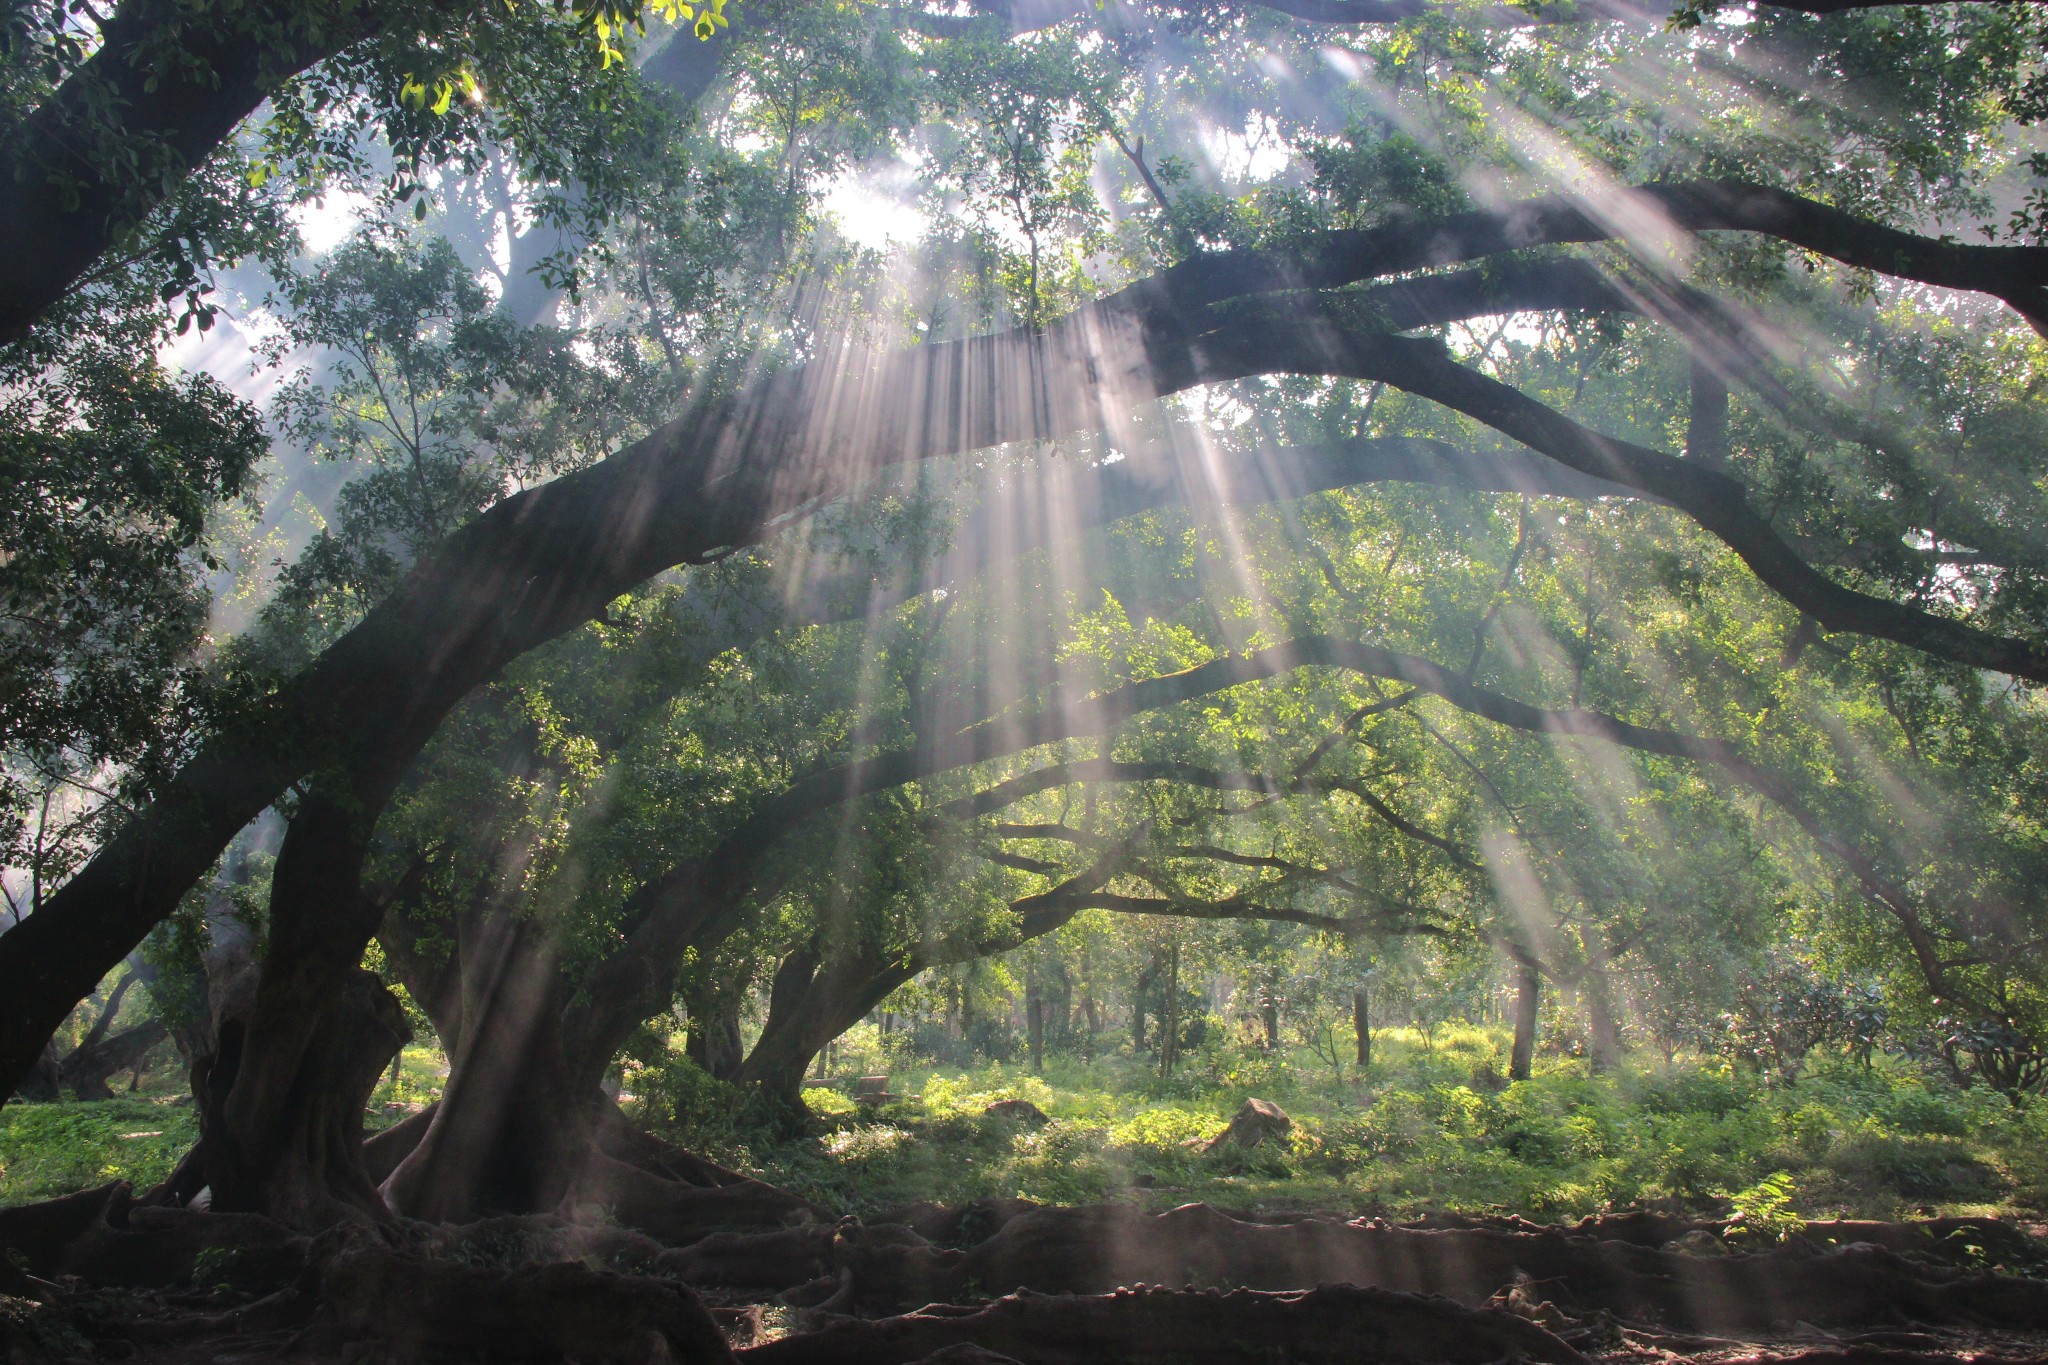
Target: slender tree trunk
[(714, 1041), (1706, 430), (1603, 1033), (1361, 1025), (1034, 1027), (1169, 1028), (1528, 997)]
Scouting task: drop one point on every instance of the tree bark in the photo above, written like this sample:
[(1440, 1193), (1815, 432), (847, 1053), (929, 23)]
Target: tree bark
[(1361, 1027), (42, 1079), (316, 1038), (714, 1041), (1603, 1034), (166, 84), (296, 1156), (516, 1124), (828, 994), (1528, 999), (1034, 1027), (86, 1070), (1706, 431)]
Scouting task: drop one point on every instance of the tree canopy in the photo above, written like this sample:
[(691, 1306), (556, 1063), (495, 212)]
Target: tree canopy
[(1021, 521)]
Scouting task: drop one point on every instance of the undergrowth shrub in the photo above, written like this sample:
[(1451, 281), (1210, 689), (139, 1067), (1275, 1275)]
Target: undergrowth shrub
[(1431, 1126)]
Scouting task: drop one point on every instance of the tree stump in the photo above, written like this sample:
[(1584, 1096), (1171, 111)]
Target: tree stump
[(1022, 1112), (1255, 1121)]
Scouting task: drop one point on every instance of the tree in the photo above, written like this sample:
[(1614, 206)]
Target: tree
[(1279, 300)]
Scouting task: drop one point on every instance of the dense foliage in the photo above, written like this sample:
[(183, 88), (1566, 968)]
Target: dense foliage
[(1620, 644)]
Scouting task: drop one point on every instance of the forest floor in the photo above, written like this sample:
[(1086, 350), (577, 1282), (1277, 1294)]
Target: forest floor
[(1418, 1174), (1430, 1128)]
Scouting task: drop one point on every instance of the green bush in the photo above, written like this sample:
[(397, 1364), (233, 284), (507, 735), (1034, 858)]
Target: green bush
[(1423, 1130)]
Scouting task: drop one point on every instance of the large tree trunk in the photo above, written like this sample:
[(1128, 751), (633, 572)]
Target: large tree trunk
[(86, 1070), (1528, 999), (41, 1081), (516, 1124), (287, 1092), (297, 1157)]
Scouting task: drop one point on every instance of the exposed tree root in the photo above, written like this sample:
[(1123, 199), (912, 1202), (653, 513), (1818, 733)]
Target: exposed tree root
[(1092, 1250), (635, 1146), (420, 1304), (39, 1233), (763, 1262), (1877, 1355), (156, 1247), (105, 1238), (1630, 1288), (963, 1226), (1166, 1327), (673, 1212), (383, 1151)]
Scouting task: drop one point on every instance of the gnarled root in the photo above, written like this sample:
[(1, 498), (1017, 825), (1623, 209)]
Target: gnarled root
[(676, 1213), (413, 1303), (105, 1238), (40, 1232), (1338, 1324), (1086, 1250), (1091, 1250)]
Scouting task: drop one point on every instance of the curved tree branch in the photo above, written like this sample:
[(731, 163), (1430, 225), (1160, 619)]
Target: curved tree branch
[(726, 474)]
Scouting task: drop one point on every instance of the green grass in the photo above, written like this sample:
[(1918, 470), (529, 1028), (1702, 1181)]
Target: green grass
[(1429, 1128), (52, 1149)]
